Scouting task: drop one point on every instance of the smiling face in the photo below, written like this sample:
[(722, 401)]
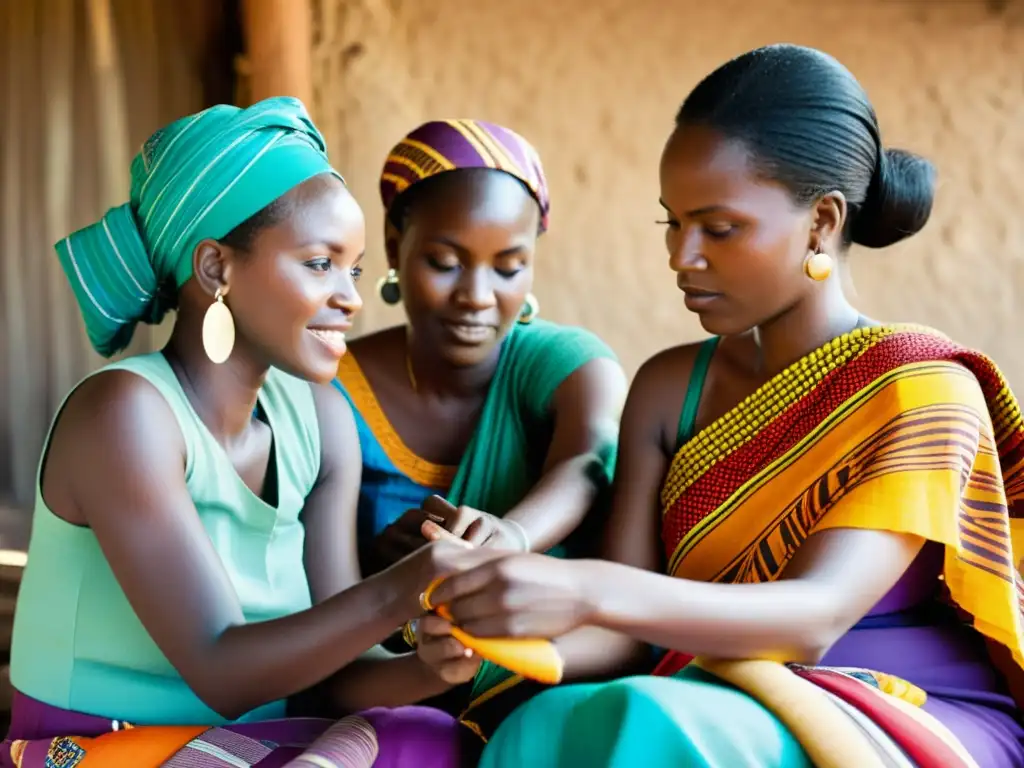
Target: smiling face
[(736, 242), (292, 291), (465, 262)]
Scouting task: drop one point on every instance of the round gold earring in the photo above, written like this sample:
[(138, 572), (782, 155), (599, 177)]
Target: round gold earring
[(818, 266), (530, 310), (388, 288), (218, 330)]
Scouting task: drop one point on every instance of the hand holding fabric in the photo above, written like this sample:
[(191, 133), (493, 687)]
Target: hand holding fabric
[(518, 596), (438, 649), (475, 526)]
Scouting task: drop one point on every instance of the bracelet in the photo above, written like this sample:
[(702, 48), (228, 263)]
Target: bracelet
[(521, 534), (409, 633)]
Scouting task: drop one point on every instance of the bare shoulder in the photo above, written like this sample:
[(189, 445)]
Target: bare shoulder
[(339, 437), (332, 409), (114, 424), (658, 390), (667, 370)]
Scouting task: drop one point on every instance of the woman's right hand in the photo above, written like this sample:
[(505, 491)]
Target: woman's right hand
[(442, 556), (453, 662)]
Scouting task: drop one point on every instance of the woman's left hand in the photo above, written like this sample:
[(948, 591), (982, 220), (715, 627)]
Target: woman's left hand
[(519, 596), (479, 528)]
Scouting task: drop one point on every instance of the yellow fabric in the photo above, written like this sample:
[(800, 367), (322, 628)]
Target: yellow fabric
[(913, 452), (830, 739)]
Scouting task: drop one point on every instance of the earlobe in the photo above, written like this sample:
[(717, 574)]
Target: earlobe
[(211, 266)]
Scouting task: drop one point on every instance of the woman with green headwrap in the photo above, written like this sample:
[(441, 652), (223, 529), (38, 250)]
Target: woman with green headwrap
[(193, 561)]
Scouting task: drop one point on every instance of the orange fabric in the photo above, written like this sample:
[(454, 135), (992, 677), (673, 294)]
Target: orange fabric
[(145, 747), (527, 657)]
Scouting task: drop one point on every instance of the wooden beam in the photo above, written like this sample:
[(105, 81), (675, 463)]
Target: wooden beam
[(278, 49)]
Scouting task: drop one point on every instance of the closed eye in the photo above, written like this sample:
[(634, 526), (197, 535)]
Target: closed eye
[(442, 266), (671, 224), (719, 231)]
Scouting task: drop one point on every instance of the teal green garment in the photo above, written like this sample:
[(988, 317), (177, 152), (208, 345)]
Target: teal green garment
[(692, 719), (197, 178), (502, 463), (78, 644)]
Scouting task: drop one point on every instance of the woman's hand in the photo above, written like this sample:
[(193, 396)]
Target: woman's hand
[(519, 596), (453, 662), (399, 539), (436, 559), (479, 528)]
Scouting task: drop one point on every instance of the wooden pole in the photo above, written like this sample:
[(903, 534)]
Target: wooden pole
[(278, 43)]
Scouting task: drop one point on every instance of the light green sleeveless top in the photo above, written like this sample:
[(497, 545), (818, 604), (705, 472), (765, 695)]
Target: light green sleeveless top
[(77, 643)]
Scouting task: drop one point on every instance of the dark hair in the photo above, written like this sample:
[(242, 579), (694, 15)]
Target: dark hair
[(242, 236), (809, 126)]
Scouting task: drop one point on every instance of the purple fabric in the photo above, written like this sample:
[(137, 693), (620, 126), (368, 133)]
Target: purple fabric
[(943, 657), (408, 737), (455, 144)]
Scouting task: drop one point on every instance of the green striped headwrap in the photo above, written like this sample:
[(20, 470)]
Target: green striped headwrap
[(197, 178)]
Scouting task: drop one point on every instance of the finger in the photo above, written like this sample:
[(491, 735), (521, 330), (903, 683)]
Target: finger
[(440, 649), (398, 531), (500, 626), (430, 627), (466, 582), (411, 520), (433, 532), (484, 605), (465, 518), (439, 506), (478, 531)]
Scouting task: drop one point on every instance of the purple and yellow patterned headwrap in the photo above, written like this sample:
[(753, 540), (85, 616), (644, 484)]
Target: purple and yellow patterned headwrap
[(448, 145)]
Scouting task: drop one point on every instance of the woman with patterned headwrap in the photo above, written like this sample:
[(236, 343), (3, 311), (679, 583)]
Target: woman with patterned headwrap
[(495, 423), (192, 565)]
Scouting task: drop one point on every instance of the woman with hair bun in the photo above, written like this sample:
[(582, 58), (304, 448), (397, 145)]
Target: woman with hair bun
[(820, 515)]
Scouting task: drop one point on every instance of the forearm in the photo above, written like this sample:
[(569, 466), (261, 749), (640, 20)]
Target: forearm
[(787, 620), (559, 502), (383, 679), (252, 664), (591, 652)]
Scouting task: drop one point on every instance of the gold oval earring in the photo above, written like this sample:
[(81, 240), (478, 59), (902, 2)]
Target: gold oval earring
[(218, 330)]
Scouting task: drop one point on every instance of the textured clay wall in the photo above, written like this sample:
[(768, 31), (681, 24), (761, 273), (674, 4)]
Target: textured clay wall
[(594, 84)]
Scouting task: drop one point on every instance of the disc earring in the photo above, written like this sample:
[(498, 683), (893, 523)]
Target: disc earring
[(388, 288), (218, 330), (818, 266)]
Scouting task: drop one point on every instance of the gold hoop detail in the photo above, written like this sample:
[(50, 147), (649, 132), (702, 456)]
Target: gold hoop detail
[(426, 594)]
